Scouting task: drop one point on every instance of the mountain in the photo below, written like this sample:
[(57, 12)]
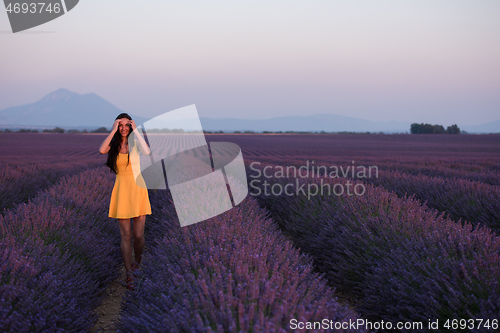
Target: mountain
[(493, 127), (70, 110), (325, 122), (319, 122), (65, 109)]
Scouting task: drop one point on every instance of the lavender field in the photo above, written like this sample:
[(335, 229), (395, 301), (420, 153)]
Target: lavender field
[(412, 238)]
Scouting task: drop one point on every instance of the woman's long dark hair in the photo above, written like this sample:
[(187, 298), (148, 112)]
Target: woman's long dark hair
[(115, 146)]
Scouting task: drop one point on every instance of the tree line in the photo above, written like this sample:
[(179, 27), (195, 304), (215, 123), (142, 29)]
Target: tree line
[(53, 130), (433, 129), (415, 129)]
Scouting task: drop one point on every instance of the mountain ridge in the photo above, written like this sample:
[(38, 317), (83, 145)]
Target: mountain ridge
[(69, 110), (64, 108)]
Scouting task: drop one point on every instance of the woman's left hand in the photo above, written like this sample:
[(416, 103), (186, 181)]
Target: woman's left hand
[(134, 126)]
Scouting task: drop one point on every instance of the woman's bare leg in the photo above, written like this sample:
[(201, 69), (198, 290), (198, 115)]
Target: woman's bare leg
[(125, 245), (139, 223)]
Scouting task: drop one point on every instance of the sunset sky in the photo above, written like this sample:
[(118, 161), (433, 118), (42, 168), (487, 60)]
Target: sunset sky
[(418, 61)]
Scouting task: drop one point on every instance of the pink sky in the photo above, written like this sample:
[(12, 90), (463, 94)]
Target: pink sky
[(425, 61)]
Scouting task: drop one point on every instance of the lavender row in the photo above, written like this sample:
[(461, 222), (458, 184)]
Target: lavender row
[(232, 273), (461, 199), (406, 148), (399, 259), (58, 253), (479, 171), (21, 181), (475, 202), (484, 171)]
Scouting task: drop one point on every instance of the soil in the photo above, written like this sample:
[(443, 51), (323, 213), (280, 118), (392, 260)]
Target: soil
[(110, 309)]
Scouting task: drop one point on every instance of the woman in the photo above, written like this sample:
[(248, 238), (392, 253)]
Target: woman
[(128, 200)]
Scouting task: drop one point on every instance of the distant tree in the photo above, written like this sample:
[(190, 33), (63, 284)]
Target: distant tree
[(7, 130), (236, 132), (73, 131), (426, 129), (164, 130), (415, 128), (84, 130), (453, 129), (100, 130), (249, 132), (54, 130), (439, 129)]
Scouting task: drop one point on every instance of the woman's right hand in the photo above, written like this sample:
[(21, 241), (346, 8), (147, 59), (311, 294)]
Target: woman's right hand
[(116, 124)]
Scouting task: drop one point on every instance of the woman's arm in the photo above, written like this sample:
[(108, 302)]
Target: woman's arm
[(143, 146), (105, 144)]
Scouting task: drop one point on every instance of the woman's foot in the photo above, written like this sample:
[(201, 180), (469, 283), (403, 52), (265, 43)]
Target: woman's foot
[(130, 281), (134, 267)]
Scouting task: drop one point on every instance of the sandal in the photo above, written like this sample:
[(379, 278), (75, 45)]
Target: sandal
[(134, 267), (130, 282)]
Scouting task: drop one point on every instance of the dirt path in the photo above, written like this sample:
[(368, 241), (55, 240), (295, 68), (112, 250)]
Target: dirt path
[(109, 311)]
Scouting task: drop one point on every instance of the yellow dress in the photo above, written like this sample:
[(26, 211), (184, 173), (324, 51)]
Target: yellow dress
[(128, 199)]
